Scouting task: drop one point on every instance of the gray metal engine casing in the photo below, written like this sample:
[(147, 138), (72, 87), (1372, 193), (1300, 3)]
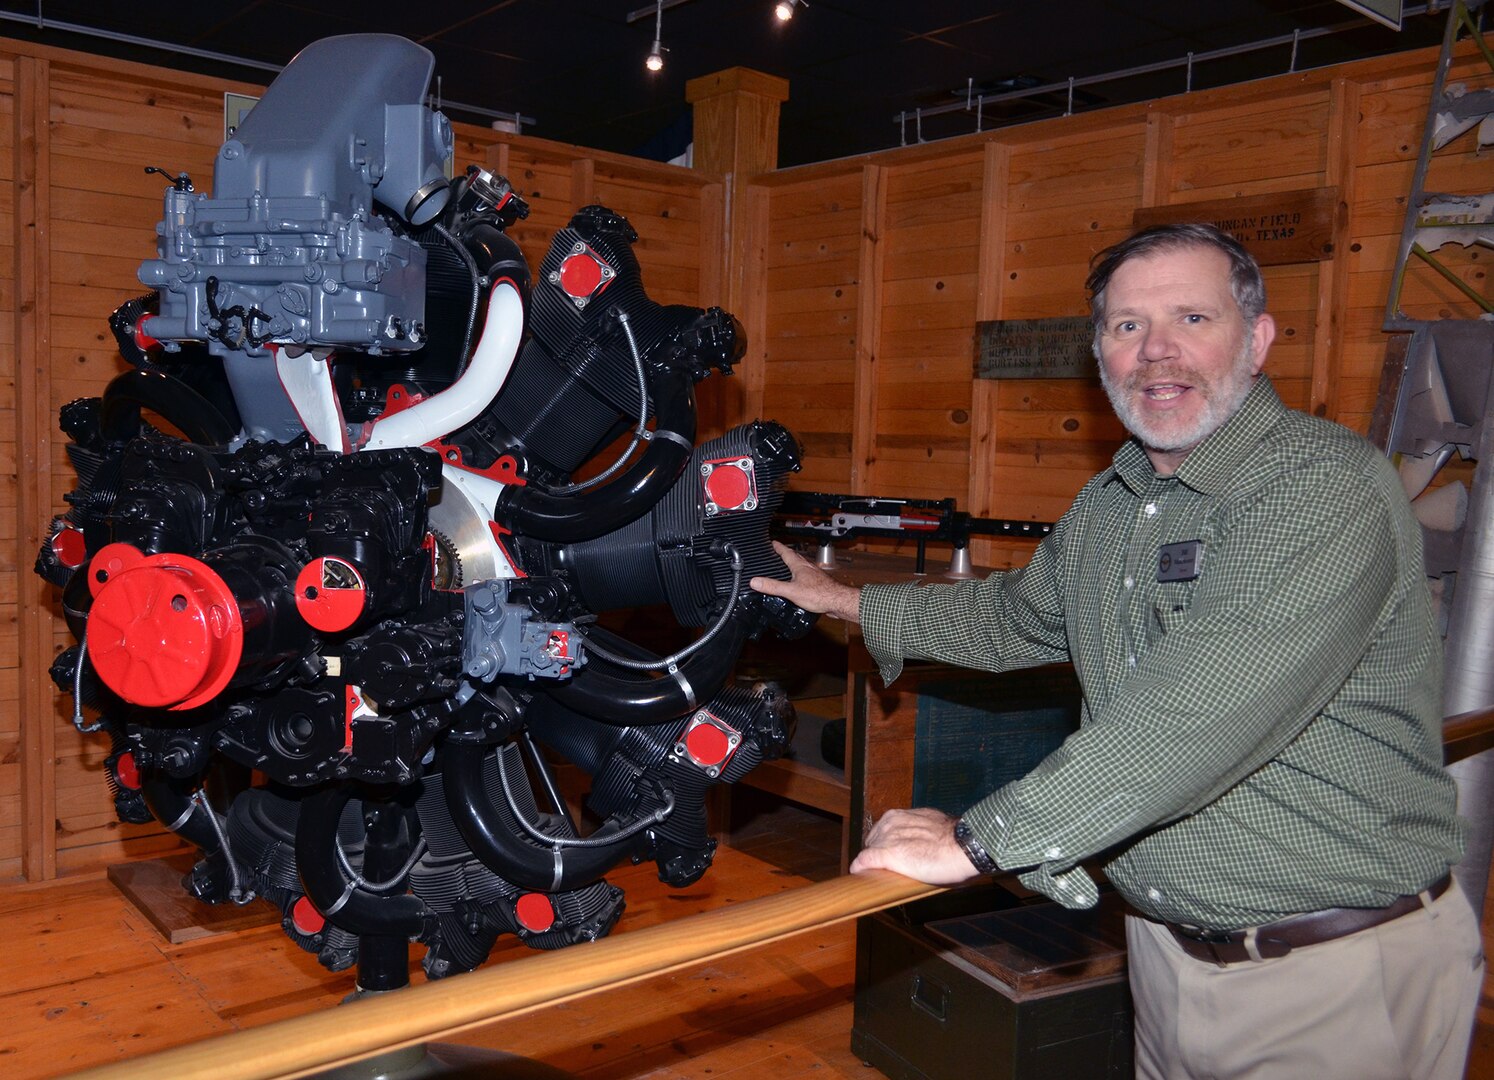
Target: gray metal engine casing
[(290, 234)]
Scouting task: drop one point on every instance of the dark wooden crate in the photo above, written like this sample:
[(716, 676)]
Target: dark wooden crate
[(1029, 992)]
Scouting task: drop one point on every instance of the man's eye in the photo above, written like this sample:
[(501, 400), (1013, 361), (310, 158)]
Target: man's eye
[(1195, 318), (1127, 327)]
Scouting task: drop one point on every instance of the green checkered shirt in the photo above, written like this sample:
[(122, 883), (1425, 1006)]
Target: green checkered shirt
[(1261, 740)]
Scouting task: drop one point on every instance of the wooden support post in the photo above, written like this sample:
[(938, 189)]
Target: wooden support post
[(583, 182), (712, 230), (736, 135), (990, 274), (1156, 166), (736, 121), (747, 218), (34, 423), (1333, 274), (868, 330), (498, 159)]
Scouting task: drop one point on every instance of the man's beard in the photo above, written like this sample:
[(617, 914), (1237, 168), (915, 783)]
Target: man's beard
[(1221, 399)]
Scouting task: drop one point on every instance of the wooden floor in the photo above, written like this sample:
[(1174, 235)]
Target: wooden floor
[(91, 981)]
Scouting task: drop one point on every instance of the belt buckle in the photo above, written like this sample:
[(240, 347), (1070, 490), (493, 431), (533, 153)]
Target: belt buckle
[(1202, 936), (1210, 939)]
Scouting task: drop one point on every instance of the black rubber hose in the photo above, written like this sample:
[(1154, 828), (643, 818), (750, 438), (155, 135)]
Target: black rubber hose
[(179, 812), (564, 519), (353, 910), (617, 696), (496, 845), (174, 400)]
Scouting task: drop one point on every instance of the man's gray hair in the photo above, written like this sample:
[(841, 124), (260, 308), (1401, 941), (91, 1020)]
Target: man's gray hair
[(1245, 282)]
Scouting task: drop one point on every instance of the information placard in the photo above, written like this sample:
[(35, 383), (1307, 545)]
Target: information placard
[(1035, 349), (1279, 228)]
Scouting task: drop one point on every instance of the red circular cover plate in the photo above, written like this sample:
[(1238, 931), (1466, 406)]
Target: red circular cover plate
[(330, 608), (728, 487), (166, 632), (535, 912), (580, 275), (707, 745)]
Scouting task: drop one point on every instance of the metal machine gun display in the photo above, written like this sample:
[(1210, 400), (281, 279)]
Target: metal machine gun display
[(328, 527), (825, 518)]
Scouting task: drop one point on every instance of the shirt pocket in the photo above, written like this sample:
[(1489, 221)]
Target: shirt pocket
[(1172, 607)]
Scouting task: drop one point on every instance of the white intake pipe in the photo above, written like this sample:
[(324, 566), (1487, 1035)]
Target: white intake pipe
[(462, 402)]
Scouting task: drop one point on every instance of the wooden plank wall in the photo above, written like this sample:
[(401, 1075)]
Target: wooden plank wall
[(878, 268), (77, 216)]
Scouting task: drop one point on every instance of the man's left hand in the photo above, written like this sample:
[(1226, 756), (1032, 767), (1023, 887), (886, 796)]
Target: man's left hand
[(919, 844)]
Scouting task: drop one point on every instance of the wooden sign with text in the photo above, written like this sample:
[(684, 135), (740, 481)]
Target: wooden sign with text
[(1278, 228), (1035, 349)]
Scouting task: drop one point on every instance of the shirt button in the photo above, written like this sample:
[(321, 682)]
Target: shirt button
[(1052, 853), (1131, 660), (1153, 894), (1151, 508), (1129, 583)]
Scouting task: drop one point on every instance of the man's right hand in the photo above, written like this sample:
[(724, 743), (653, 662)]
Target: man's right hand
[(919, 844), (811, 588)]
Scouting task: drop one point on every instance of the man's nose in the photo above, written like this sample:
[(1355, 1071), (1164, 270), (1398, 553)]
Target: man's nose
[(1157, 343)]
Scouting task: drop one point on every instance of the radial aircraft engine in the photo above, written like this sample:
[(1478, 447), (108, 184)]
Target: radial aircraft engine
[(349, 531)]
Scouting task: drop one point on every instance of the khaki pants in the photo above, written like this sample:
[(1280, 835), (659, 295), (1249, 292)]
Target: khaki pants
[(1392, 1002)]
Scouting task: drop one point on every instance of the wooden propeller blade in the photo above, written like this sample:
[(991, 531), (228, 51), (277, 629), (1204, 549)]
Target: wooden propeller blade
[(307, 1044)]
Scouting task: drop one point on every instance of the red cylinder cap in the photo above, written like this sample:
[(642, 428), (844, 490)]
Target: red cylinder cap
[(707, 745), (70, 547), (580, 275), (166, 632), (535, 912), (306, 918), (728, 486), (127, 772)]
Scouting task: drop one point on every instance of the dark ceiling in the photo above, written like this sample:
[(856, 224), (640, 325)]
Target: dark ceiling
[(576, 66)]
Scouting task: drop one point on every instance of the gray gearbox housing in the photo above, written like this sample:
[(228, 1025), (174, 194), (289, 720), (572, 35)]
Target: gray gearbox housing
[(289, 249)]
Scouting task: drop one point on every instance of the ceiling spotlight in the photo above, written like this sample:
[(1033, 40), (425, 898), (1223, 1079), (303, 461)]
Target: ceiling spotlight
[(784, 9), (655, 59)]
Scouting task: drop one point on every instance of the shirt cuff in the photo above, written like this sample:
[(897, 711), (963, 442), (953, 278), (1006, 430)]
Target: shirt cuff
[(1070, 885), (1073, 888), (881, 610)]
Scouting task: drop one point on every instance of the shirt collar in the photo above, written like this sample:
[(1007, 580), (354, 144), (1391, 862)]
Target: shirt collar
[(1210, 467)]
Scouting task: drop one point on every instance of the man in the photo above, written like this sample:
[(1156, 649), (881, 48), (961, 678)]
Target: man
[(1258, 766)]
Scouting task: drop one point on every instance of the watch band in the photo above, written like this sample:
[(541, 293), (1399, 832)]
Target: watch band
[(979, 857)]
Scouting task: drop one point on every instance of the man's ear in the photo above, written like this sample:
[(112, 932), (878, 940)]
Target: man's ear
[(1261, 336)]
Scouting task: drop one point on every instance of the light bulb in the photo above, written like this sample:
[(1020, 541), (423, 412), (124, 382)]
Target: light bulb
[(784, 10), (655, 59)]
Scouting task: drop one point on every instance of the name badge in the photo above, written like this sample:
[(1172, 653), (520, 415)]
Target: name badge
[(1179, 562)]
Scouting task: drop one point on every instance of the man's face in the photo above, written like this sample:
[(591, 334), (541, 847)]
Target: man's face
[(1176, 356)]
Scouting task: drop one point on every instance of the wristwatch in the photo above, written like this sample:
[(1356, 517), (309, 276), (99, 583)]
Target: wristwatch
[(979, 857)]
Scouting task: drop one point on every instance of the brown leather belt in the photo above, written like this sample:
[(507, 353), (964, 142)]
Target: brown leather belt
[(1279, 938)]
